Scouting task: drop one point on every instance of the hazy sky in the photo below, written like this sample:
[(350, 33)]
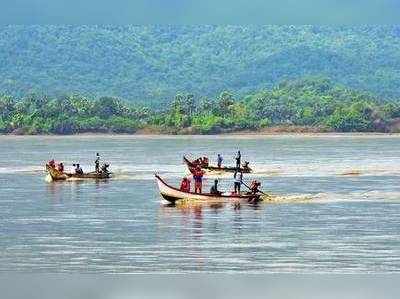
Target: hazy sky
[(199, 11)]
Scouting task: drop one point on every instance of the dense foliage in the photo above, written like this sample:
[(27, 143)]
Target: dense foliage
[(153, 63), (310, 103)]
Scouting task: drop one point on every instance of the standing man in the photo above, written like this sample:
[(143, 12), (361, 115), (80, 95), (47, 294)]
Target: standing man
[(219, 160), (198, 179), (97, 163), (238, 181), (238, 159)]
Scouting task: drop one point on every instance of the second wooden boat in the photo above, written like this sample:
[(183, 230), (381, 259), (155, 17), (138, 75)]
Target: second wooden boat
[(57, 175), (191, 166)]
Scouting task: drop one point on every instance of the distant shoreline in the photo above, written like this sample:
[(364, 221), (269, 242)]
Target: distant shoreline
[(270, 131), (238, 134)]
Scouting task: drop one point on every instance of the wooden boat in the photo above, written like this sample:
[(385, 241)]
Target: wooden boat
[(191, 166), (57, 175), (172, 194)]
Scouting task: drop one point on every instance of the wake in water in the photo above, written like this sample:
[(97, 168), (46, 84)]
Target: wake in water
[(324, 197), (28, 169), (373, 195), (294, 198)]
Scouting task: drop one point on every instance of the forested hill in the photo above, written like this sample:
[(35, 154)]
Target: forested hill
[(153, 63), (308, 105)]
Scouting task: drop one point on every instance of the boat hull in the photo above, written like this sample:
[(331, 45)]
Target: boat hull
[(172, 194), (57, 175), (192, 165)]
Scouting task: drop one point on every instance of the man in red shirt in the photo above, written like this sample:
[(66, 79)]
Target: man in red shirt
[(185, 185)]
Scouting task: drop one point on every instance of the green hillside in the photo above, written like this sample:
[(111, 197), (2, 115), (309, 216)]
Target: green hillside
[(154, 63)]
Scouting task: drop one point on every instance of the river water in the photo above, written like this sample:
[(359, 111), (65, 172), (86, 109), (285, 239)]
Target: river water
[(336, 206)]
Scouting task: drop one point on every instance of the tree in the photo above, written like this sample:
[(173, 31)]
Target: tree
[(107, 106), (225, 102)]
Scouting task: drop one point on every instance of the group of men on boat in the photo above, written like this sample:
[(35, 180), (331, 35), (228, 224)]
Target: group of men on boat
[(203, 162), (78, 169), (198, 174), (58, 166)]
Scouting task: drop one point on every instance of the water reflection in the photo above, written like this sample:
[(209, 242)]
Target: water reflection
[(73, 189), (216, 207), (237, 220)]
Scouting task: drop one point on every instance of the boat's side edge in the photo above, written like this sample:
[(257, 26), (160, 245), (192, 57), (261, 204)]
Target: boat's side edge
[(169, 191)]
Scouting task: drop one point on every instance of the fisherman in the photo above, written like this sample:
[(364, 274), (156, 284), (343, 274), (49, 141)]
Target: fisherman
[(254, 190), (238, 159), (185, 185), (104, 168), (254, 187), (214, 188), (52, 163), (219, 160), (238, 181), (97, 163), (78, 169), (246, 165), (60, 167), (198, 179)]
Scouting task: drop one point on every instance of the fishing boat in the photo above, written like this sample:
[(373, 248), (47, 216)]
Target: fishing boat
[(172, 194), (192, 165), (57, 175)]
